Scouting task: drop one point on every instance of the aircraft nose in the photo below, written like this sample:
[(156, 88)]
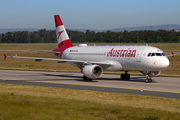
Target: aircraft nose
[(165, 63)]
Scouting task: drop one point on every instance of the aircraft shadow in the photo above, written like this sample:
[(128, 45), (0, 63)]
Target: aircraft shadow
[(132, 79), (63, 75), (79, 78)]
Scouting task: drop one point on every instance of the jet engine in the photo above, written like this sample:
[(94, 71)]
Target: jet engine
[(92, 71), (151, 73)]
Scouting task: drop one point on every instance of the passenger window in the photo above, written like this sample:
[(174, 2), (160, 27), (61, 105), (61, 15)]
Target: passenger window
[(149, 54), (158, 54), (152, 54)]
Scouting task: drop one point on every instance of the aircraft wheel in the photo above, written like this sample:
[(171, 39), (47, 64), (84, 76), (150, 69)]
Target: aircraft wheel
[(127, 76), (148, 80), (86, 78), (89, 79), (123, 76)]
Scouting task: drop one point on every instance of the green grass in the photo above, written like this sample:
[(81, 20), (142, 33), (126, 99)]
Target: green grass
[(19, 102), (173, 48)]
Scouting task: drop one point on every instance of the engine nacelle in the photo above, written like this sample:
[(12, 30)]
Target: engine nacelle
[(92, 71), (154, 73), (151, 73)]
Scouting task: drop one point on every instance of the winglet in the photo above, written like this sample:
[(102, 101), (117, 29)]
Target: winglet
[(172, 54), (5, 56)]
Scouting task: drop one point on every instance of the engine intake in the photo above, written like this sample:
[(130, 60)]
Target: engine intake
[(151, 73), (92, 71), (154, 73)]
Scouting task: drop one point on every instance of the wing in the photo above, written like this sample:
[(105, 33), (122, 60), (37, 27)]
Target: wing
[(172, 54), (48, 51), (78, 63)]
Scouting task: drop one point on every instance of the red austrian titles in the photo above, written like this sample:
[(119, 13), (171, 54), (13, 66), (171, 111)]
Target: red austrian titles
[(121, 53)]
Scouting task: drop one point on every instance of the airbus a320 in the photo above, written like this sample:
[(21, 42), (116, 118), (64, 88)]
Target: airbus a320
[(93, 60)]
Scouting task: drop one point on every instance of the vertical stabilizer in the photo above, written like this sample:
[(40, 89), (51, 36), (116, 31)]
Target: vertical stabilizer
[(62, 36)]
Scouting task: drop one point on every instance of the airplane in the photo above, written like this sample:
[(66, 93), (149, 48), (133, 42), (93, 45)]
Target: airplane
[(93, 60)]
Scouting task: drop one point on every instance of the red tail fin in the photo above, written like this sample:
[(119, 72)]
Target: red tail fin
[(62, 36)]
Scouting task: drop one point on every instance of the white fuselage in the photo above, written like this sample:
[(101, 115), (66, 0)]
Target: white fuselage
[(125, 58)]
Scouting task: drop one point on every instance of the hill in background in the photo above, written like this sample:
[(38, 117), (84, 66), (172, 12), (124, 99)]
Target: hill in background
[(5, 30), (164, 27)]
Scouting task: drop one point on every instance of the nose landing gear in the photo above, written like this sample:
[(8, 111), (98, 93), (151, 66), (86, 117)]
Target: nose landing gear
[(148, 79)]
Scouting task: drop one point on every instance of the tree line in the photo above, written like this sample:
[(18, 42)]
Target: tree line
[(49, 36)]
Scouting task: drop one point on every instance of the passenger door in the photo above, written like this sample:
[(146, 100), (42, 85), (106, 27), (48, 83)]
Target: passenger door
[(139, 54)]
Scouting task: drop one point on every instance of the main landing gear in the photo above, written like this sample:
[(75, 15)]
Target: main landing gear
[(86, 78), (125, 76)]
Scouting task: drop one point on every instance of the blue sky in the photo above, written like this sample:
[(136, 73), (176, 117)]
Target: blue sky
[(88, 14)]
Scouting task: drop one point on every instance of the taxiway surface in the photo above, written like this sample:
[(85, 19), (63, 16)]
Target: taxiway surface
[(161, 86)]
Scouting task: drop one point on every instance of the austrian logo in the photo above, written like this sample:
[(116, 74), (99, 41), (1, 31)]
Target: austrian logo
[(121, 53), (60, 33)]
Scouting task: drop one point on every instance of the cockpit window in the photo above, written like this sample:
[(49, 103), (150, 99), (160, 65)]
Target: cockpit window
[(152, 54), (155, 54), (158, 54), (149, 54)]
